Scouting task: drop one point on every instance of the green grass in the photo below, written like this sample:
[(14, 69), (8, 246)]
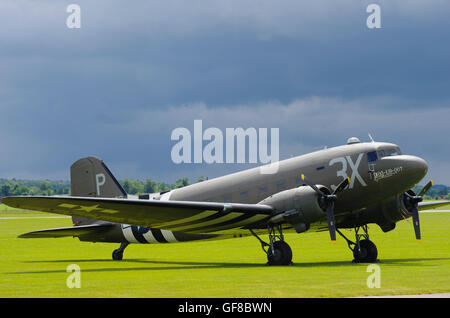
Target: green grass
[(229, 268), (4, 207)]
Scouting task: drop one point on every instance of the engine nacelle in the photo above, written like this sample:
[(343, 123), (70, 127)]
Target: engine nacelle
[(388, 213), (302, 206), (397, 208)]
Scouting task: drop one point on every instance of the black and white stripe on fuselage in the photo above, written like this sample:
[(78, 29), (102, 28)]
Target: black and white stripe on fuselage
[(145, 235)]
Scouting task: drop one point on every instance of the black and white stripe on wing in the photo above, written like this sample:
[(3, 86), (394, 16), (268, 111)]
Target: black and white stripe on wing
[(230, 221), (211, 220), (190, 224)]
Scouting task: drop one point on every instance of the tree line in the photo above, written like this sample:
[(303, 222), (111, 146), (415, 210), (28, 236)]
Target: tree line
[(48, 187), (436, 192), (10, 187)]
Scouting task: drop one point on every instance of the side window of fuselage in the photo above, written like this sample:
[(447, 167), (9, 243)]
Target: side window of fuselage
[(262, 190), (227, 198)]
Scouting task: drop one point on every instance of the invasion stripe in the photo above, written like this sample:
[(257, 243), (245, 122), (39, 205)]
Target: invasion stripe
[(158, 236), (237, 222), (187, 220), (139, 237), (214, 219), (128, 233), (168, 235), (181, 226), (149, 237)]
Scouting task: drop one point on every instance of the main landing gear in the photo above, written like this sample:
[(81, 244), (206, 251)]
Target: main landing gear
[(117, 255), (364, 250), (278, 251)]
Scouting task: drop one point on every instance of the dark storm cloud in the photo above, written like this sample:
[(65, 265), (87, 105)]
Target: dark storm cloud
[(116, 87)]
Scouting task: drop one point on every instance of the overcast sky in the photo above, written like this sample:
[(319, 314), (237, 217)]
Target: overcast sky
[(118, 86)]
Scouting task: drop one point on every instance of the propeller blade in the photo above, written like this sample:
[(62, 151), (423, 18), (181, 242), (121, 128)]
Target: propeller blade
[(426, 188), (312, 185), (331, 224), (416, 223), (414, 209), (342, 186)]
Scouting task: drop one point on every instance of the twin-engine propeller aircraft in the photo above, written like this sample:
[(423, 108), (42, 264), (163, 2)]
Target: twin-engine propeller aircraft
[(345, 187)]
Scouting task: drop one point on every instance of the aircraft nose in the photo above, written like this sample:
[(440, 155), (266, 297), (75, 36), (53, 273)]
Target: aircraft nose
[(417, 166)]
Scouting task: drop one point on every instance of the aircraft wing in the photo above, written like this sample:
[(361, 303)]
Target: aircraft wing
[(432, 204), (186, 216)]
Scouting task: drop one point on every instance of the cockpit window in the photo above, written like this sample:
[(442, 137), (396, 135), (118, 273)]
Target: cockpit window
[(395, 152), (389, 152), (372, 156)]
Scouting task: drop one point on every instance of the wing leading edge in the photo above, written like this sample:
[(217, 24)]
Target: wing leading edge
[(432, 205), (187, 216)]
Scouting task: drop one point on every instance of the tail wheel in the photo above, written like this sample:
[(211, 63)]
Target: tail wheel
[(117, 255), (367, 252), (281, 254)]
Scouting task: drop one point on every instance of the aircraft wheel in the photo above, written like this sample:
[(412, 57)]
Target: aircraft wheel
[(282, 254), (117, 255), (367, 254)]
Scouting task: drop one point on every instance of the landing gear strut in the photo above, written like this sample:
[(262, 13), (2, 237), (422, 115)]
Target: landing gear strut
[(278, 251), (117, 254), (364, 250)]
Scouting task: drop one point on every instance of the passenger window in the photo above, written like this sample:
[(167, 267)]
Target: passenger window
[(262, 190), (372, 156)]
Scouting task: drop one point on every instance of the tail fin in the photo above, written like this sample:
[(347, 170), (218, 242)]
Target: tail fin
[(90, 177)]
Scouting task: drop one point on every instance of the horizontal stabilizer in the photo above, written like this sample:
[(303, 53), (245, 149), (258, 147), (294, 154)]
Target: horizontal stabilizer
[(68, 231), (432, 204)]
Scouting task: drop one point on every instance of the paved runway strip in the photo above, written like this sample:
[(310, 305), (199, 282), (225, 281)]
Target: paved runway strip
[(32, 217)]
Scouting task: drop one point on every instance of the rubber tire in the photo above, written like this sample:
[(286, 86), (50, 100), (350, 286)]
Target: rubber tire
[(282, 255), (368, 253), (117, 255)]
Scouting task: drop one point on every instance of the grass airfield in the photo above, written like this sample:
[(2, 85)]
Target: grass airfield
[(227, 268)]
